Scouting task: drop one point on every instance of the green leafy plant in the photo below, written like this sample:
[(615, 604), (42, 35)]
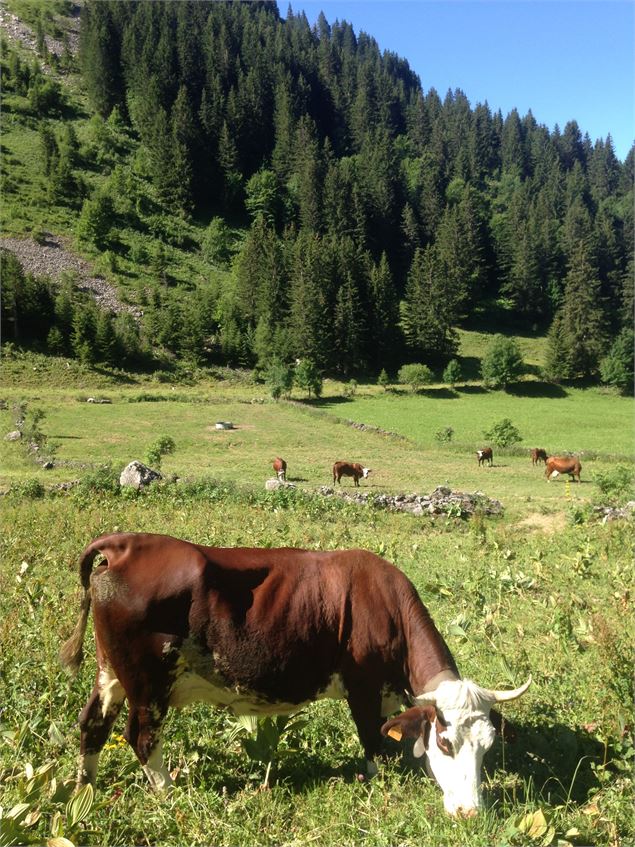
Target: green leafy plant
[(503, 433), (163, 446), (414, 375), (350, 389), (383, 379), (616, 483), (279, 378), (308, 378), (452, 373), (444, 436), (40, 791), (502, 363), (261, 737)]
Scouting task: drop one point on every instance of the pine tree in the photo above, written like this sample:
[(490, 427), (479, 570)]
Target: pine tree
[(581, 320), (426, 314)]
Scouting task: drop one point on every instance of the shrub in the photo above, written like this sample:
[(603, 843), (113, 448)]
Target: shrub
[(163, 446), (308, 378), (102, 480), (414, 375), (452, 374), (279, 378), (503, 434), (502, 363), (617, 368), (383, 379), (95, 220), (30, 489), (444, 435), (350, 389), (616, 483)]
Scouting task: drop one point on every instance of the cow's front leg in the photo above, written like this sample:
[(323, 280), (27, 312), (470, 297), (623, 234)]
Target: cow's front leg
[(365, 708)]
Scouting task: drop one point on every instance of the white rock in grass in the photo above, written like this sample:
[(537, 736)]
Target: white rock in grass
[(138, 475)]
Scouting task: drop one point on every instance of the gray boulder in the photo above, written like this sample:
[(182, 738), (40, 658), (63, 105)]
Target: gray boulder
[(16, 435), (274, 484), (138, 475)]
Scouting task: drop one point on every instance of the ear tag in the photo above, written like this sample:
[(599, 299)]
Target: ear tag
[(395, 733)]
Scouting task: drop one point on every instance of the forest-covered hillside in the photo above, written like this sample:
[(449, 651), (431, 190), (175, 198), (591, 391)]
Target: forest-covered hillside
[(376, 215)]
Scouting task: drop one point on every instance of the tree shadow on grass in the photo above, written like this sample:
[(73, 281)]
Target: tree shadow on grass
[(536, 389), (555, 758), (440, 393), (471, 389), (556, 761)]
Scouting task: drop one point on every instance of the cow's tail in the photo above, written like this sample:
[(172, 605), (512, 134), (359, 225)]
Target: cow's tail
[(71, 652)]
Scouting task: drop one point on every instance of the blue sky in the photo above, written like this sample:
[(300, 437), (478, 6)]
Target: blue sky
[(563, 59)]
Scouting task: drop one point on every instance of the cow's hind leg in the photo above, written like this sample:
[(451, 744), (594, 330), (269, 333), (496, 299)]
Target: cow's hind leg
[(143, 733), (96, 721)]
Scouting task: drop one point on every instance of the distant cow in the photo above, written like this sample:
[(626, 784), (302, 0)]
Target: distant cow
[(538, 455), (563, 464), (264, 632), (280, 467), (485, 455), (353, 469)]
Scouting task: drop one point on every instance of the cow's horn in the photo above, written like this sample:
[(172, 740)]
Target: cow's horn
[(502, 696)]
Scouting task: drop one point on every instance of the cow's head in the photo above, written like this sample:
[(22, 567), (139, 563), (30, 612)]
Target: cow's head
[(451, 726), (366, 471)]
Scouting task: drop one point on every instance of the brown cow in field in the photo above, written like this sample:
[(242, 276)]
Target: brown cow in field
[(353, 469), (280, 467), (563, 464), (486, 454), (264, 632), (538, 455)]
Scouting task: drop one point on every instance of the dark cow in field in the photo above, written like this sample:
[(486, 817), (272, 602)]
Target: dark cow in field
[(563, 464), (266, 631), (485, 455), (280, 467), (538, 455), (353, 469)]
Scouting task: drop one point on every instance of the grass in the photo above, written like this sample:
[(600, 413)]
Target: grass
[(507, 602), (525, 593)]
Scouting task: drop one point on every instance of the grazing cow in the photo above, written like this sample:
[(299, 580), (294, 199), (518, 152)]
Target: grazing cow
[(538, 455), (280, 467), (266, 631), (486, 454), (353, 469), (563, 464)]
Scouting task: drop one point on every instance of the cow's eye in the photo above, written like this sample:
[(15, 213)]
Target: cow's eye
[(445, 745)]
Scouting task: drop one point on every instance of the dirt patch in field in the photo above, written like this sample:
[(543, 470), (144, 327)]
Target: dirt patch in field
[(544, 523)]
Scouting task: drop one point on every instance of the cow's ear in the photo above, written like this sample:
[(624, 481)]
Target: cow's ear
[(413, 723)]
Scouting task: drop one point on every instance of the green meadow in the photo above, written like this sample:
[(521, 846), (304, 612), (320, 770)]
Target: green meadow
[(546, 590)]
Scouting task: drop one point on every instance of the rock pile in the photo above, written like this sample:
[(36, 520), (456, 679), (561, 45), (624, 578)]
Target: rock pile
[(614, 513), (442, 501), (51, 258), (274, 484)]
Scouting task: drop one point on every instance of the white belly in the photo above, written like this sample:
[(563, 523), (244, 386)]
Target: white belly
[(189, 688)]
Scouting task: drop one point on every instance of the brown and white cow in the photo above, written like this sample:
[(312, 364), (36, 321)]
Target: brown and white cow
[(353, 469), (538, 455), (280, 467), (266, 631), (563, 464), (485, 455)]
